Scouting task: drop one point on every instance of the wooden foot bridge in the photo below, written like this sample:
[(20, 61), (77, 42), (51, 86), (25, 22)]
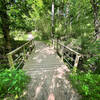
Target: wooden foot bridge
[(49, 74)]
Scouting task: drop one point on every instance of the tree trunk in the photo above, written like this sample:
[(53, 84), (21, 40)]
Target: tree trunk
[(96, 18), (5, 26), (53, 13)]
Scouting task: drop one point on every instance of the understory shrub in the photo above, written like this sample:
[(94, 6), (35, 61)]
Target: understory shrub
[(87, 84), (12, 83)]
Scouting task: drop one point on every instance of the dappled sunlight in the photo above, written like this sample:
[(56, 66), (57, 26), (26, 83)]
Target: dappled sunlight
[(42, 78), (39, 60), (37, 51), (58, 85), (52, 83), (60, 73), (38, 90), (30, 37), (51, 97), (47, 50), (44, 56), (48, 75), (34, 58), (65, 68)]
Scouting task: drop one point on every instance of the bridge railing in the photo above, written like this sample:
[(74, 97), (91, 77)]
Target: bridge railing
[(17, 57), (67, 54)]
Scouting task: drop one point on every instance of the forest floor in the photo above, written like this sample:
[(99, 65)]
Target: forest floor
[(49, 76)]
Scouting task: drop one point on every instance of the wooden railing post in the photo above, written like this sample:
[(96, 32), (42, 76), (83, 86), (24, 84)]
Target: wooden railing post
[(76, 60), (10, 59), (24, 55), (10, 55), (76, 63), (61, 49)]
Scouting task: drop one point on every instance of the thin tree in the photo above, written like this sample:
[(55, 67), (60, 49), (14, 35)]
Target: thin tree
[(53, 19), (5, 24), (96, 9)]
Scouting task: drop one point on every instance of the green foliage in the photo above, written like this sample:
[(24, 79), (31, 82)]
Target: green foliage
[(87, 85), (12, 82), (44, 27), (78, 27), (92, 59), (74, 20)]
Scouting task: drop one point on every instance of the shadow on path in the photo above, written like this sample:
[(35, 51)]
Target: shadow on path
[(49, 76)]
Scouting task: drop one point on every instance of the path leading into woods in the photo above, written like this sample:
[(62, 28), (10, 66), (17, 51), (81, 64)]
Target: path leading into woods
[(49, 76)]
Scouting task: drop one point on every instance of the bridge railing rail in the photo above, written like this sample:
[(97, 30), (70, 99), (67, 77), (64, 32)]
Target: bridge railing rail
[(67, 54), (17, 57)]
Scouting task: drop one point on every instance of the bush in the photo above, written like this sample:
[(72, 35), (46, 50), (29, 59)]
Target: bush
[(87, 84), (91, 59), (12, 82)]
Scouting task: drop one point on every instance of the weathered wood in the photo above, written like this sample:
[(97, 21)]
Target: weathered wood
[(49, 76), (10, 59), (66, 47), (14, 51), (76, 60), (61, 49), (26, 45)]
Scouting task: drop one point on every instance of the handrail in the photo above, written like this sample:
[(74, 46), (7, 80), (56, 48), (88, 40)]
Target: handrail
[(17, 49), (69, 48), (24, 47), (62, 48)]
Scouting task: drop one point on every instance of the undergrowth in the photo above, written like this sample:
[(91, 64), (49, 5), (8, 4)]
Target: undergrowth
[(12, 83), (87, 84)]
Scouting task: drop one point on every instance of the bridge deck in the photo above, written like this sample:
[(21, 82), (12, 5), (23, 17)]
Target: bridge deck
[(49, 76)]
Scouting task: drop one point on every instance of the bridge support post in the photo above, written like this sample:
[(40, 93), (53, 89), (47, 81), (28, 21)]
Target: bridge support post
[(76, 63)]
